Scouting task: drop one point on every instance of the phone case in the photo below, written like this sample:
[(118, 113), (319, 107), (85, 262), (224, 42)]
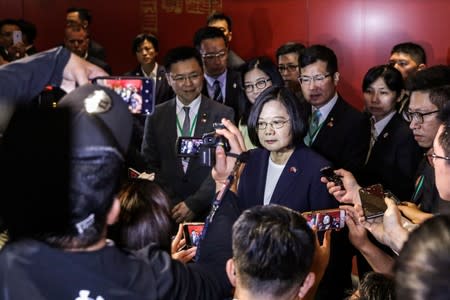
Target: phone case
[(372, 201), (192, 233)]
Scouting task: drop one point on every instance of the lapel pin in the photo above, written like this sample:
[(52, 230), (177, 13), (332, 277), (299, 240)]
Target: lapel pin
[(234, 85), (293, 170), (204, 118), (330, 123), (385, 135)]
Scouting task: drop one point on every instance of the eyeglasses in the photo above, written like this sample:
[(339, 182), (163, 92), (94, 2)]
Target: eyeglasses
[(289, 68), (211, 56), (180, 79), (433, 156), (259, 85), (276, 124), (316, 78), (416, 116)]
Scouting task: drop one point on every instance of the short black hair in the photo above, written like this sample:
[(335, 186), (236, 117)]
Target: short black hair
[(390, 75), (414, 50), (273, 249), (8, 22), (216, 16), (289, 101), (140, 38), (180, 54), (290, 47), (314, 53), (426, 79), (205, 33), (83, 13)]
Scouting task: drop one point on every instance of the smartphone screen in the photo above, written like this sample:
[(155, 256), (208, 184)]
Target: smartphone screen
[(17, 36), (326, 219), (372, 201), (137, 92), (192, 233), (188, 146)]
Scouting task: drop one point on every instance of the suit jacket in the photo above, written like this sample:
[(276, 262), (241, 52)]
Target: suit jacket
[(343, 138), (163, 91), (96, 50), (393, 160), (232, 91), (195, 187), (234, 61), (298, 187)]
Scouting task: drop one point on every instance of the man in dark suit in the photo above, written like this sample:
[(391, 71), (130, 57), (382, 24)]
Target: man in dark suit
[(146, 47), (81, 17), (187, 182), (224, 23), (337, 130), (222, 83), (77, 41)]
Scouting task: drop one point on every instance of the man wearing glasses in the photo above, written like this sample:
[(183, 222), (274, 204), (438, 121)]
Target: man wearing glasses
[(338, 132), (190, 114), (221, 82), (336, 129), (288, 58), (426, 101)]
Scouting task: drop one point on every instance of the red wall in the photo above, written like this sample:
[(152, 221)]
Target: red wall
[(360, 31)]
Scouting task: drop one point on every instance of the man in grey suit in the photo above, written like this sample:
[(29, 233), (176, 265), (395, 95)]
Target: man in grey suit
[(187, 182)]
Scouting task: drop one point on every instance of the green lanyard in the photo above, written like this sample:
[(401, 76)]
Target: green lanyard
[(418, 188), (192, 126)]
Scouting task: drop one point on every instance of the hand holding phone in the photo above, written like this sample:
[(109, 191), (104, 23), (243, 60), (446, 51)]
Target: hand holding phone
[(17, 37), (372, 201), (326, 219), (328, 173), (192, 233)]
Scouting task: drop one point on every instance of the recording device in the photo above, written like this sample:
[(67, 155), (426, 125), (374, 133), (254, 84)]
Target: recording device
[(203, 148), (137, 92), (132, 173), (328, 173), (372, 201), (17, 37), (326, 219), (192, 233)]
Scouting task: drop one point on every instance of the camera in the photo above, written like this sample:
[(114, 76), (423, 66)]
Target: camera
[(203, 148)]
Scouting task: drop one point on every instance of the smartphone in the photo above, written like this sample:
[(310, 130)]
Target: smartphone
[(188, 146), (326, 219), (328, 173), (192, 233), (137, 92), (17, 37), (372, 201)]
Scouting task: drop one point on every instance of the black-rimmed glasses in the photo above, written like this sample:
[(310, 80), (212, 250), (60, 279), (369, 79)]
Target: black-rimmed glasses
[(416, 116), (290, 68), (259, 85)]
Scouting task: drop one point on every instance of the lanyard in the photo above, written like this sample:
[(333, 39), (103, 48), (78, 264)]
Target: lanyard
[(191, 130), (418, 188)]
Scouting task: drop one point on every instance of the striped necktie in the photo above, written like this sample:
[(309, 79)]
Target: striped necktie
[(217, 92)]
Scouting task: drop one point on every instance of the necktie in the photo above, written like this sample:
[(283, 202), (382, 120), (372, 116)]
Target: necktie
[(313, 127), (217, 92), (187, 121), (373, 138)]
